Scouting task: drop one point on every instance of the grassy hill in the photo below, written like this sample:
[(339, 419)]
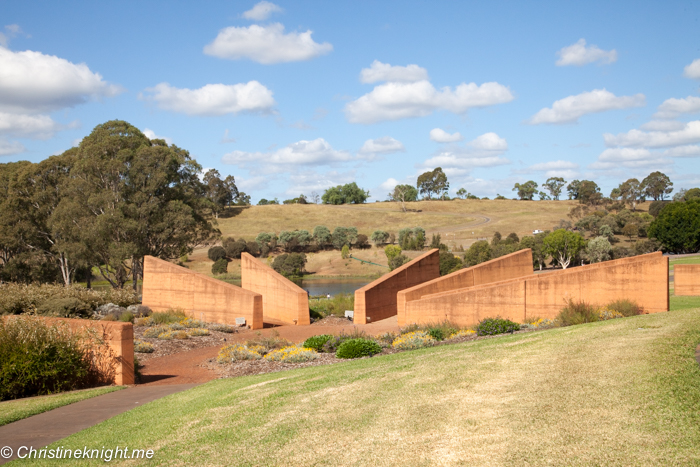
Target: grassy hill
[(619, 392)]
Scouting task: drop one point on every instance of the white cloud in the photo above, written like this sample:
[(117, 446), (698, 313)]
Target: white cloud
[(308, 181), (29, 126), (227, 138), (692, 70), (265, 44), (316, 152), (394, 101), (554, 165), (663, 125), (484, 151), (383, 145), (570, 109), (13, 30), (212, 99), (31, 82), (672, 108), (389, 184), (150, 134), (615, 158), (655, 139), (683, 151), (578, 54), (261, 11), (441, 136), (379, 71), (559, 168), (9, 148)]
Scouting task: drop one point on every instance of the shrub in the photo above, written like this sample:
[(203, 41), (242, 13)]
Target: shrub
[(292, 354), (169, 335), (68, 307), (493, 326), (356, 348), (387, 338), (332, 344), (577, 313), (626, 307), (461, 333), (155, 331), (437, 334), (222, 328), (196, 332), (336, 305), (146, 322), (316, 342), (220, 266), (236, 353), (605, 314), (192, 323), (127, 317), (216, 253), (268, 343), (143, 346), (539, 323), (38, 359), (16, 299), (413, 340), (176, 326), (170, 316), (398, 261)]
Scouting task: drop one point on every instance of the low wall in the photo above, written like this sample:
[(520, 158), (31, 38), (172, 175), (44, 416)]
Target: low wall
[(166, 285), (518, 264), (686, 279), (643, 279), (377, 300), (283, 302), (118, 365)]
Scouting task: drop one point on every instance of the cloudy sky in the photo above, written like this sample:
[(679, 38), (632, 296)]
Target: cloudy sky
[(294, 97)]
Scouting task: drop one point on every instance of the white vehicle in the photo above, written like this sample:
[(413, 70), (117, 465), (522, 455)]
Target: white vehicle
[(536, 231)]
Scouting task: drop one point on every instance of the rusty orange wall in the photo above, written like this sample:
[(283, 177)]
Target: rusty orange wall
[(284, 302), (510, 266), (377, 300), (118, 336), (686, 279), (643, 279), (166, 285)]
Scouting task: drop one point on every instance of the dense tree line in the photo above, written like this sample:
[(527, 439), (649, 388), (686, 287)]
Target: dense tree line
[(109, 202)]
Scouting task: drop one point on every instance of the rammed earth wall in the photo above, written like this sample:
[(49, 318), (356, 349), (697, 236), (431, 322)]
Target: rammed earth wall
[(166, 286), (686, 279), (643, 279)]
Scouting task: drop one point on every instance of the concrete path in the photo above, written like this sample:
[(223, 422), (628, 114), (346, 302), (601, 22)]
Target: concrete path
[(43, 429)]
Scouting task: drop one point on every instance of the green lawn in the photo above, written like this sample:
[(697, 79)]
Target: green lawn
[(619, 392), (685, 260), (11, 411)]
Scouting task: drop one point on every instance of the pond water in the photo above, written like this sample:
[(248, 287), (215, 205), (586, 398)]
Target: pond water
[(313, 286)]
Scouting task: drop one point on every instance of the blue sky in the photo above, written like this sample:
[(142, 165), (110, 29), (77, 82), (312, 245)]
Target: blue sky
[(294, 97)]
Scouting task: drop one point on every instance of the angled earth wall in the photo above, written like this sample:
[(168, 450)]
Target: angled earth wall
[(166, 285), (518, 264), (283, 302), (378, 300), (643, 279), (686, 279)]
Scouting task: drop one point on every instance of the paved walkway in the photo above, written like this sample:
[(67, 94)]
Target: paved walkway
[(48, 427)]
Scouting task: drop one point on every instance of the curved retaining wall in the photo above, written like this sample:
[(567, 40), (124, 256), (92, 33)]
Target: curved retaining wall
[(518, 264), (377, 300), (166, 285), (283, 302), (686, 279), (643, 279)]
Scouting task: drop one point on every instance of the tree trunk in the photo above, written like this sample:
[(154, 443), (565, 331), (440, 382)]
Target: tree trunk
[(89, 277)]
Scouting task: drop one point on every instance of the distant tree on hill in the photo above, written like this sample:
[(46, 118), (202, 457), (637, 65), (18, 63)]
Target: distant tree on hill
[(403, 194), (657, 185), (564, 246), (554, 185), (349, 193), (526, 191), (433, 182)]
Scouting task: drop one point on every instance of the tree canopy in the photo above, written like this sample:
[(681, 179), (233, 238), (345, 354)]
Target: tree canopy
[(677, 227), (349, 193), (527, 190), (433, 182)]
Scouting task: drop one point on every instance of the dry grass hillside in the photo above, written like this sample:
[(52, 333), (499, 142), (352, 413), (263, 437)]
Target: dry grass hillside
[(459, 222)]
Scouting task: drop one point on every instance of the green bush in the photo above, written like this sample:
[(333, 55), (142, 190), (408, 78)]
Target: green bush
[(167, 317), (216, 253), (626, 307), (69, 307), (317, 342), (220, 266), (127, 317), (332, 344), (16, 299), (336, 305), (493, 326), (437, 334), (356, 348), (578, 313), (38, 359)]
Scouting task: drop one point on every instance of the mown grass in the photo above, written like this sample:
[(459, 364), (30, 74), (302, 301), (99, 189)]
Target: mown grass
[(11, 411), (685, 260), (618, 392)]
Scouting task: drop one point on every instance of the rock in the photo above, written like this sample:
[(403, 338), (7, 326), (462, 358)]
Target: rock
[(109, 309), (139, 311)]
